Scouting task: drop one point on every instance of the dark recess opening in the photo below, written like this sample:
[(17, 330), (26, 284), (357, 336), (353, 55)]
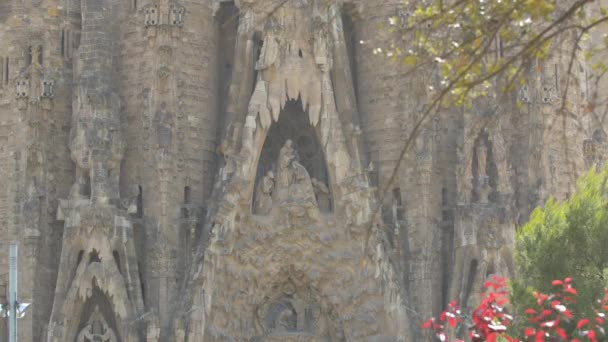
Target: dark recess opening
[(94, 256), (187, 198), (470, 282), (140, 202), (350, 37), (117, 260)]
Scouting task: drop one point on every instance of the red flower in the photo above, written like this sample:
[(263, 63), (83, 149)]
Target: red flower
[(582, 323), (561, 332), (529, 332), (591, 336)]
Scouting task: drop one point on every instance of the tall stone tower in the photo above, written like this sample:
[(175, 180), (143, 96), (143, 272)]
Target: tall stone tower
[(98, 290), (213, 170)]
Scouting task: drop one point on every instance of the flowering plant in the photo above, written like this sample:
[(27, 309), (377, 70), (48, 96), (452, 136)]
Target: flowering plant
[(547, 322)]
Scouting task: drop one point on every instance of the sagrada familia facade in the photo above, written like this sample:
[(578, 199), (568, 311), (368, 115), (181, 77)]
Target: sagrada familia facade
[(214, 170)]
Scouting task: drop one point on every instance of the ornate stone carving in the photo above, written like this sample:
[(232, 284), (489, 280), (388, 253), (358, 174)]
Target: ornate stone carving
[(22, 88), (151, 15), (263, 198), (294, 62), (547, 94), (47, 88), (524, 94), (164, 126), (294, 186), (177, 13), (292, 313), (97, 329)]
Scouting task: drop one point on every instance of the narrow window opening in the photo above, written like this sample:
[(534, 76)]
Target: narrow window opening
[(134, 5), (40, 52), (6, 70), (397, 196), (117, 260), (187, 200), (140, 202), (85, 189), (187, 195), (352, 42), (80, 256), (470, 282), (63, 40), (556, 78), (258, 53), (28, 56), (300, 53), (141, 283), (4, 62)]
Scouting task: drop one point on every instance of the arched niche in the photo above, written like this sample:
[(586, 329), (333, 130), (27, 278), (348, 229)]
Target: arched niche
[(294, 311), (484, 170), (293, 125), (97, 319)]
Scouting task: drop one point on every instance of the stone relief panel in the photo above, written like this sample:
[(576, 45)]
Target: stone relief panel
[(293, 314)]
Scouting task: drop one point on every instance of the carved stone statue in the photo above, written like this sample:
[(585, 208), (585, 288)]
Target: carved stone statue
[(286, 320), (294, 187), (97, 329), (263, 197), (286, 156), (164, 123), (482, 154), (483, 186), (301, 188)]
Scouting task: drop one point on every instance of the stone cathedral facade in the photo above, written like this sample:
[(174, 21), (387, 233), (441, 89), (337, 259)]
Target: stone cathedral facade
[(212, 170)]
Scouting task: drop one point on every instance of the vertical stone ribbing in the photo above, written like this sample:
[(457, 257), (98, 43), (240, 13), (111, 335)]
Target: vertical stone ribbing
[(391, 101)]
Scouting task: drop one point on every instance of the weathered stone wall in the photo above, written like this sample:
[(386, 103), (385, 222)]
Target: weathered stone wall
[(185, 98)]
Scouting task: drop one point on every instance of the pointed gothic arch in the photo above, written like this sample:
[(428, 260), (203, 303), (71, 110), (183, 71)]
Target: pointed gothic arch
[(294, 125), (98, 315)]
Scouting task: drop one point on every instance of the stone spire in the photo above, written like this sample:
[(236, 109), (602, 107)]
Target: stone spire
[(96, 141)]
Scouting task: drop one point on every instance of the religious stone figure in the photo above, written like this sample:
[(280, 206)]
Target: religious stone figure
[(263, 194), (164, 123), (301, 188), (286, 321), (97, 329), (482, 153), (286, 155), (483, 185), (294, 187)]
